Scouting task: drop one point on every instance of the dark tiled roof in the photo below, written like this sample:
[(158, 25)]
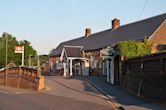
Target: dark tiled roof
[(133, 31), (73, 52)]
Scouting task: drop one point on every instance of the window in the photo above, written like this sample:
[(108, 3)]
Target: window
[(59, 64)]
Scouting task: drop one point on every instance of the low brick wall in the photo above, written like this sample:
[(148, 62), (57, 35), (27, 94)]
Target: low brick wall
[(21, 77), (146, 76)]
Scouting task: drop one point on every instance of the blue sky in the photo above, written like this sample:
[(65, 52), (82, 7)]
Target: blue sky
[(46, 23)]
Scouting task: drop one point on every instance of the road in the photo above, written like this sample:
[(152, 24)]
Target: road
[(61, 94)]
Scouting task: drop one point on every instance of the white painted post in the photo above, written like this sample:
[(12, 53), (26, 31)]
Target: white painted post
[(112, 70), (107, 70), (64, 69), (71, 71)]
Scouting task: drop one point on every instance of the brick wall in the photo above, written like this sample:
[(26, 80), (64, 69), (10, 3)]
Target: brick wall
[(147, 73), (158, 37)]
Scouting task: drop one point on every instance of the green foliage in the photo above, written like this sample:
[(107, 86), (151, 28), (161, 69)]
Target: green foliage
[(131, 49), (14, 57), (43, 59)]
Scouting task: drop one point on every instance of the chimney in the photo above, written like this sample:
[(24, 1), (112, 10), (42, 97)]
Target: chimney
[(87, 32), (115, 23)]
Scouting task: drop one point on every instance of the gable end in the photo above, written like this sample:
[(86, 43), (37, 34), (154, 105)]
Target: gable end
[(159, 36)]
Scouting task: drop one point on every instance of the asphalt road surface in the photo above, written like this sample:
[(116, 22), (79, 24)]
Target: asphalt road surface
[(61, 94)]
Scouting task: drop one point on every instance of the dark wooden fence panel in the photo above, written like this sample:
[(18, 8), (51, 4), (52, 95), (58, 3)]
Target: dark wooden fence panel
[(146, 76)]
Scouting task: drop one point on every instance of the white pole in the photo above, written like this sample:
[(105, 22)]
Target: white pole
[(23, 56), (112, 71), (71, 65), (64, 69), (107, 70)]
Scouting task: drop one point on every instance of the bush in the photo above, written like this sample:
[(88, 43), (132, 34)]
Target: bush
[(131, 49)]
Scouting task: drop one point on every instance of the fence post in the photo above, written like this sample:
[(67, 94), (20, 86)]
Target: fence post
[(142, 66), (139, 88)]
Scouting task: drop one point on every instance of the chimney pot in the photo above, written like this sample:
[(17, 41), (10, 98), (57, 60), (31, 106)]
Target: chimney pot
[(115, 23), (87, 32)]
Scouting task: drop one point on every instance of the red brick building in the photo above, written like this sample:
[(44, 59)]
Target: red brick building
[(154, 29)]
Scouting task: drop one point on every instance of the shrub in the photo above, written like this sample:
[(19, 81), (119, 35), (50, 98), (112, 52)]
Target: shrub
[(131, 49)]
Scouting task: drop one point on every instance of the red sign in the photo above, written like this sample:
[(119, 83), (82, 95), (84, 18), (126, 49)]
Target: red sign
[(19, 49)]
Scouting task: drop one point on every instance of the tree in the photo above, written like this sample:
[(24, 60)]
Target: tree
[(14, 57)]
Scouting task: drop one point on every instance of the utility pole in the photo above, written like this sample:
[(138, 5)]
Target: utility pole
[(38, 61), (6, 42)]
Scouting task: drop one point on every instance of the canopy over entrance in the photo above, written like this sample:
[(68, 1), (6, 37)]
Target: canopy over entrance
[(74, 61)]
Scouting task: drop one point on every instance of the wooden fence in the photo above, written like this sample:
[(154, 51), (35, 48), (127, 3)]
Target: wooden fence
[(146, 76)]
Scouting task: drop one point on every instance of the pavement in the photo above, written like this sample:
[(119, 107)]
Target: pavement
[(60, 94), (76, 93), (76, 89), (119, 97)]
